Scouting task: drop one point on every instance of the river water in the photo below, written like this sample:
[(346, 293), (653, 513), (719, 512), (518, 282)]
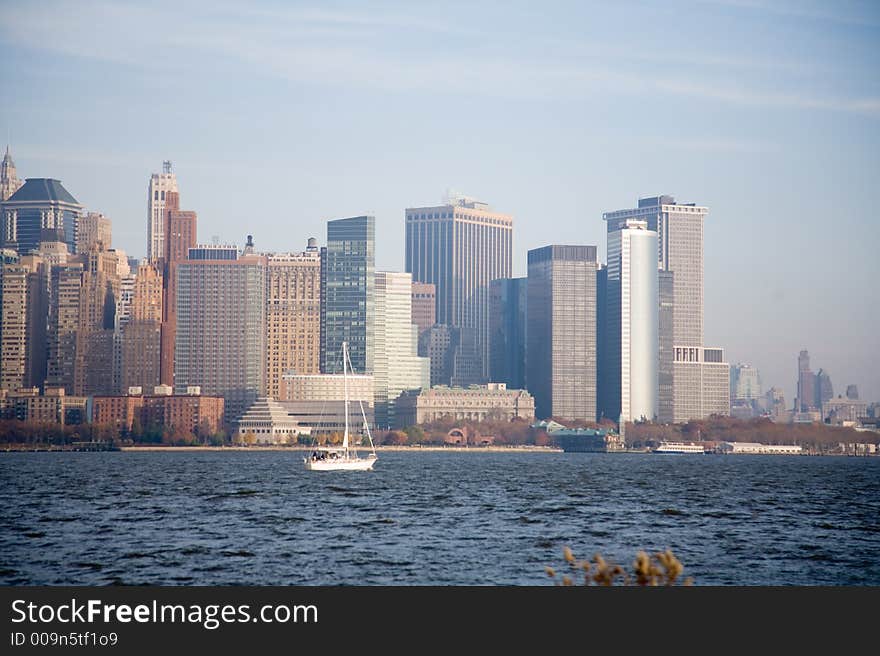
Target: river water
[(432, 518)]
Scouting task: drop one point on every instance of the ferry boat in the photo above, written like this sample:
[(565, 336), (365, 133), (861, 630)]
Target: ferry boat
[(679, 448)]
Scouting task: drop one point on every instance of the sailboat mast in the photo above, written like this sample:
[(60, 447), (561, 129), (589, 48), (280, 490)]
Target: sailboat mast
[(345, 390)]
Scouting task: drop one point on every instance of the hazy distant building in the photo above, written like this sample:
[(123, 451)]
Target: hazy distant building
[(508, 298), (160, 185), (293, 315), (396, 363), (561, 331), (823, 390), (92, 228), (9, 180), (852, 392), (746, 396), (632, 338), (41, 210), (745, 383), (841, 411), (220, 341), (775, 402), (805, 385), (424, 305), (460, 247), (348, 275)]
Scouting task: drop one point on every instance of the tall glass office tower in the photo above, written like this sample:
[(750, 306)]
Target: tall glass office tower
[(461, 247), (561, 331), (348, 278)]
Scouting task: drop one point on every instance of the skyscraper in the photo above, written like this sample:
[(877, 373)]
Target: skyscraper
[(679, 227), (702, 383), (348, 272), (41, 210), (93, 372), (745, 383), (632, 340), (9, 181), (460, 247), (396, 364), (293, 315), (180, 235), (220, 339), (424, 305), (22, 323), (92, 228), (142, 332), (806, 384), (507, 331), (824, 390), (666, 370), (160, 185), (561, 331), (64, 298)]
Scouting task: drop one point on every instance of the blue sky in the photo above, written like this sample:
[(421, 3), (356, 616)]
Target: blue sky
[(279, 116)]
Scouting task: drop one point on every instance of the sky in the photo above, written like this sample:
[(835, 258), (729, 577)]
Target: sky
[(278, 116)]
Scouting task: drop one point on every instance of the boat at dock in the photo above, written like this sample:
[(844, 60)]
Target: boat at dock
[(679, 448)]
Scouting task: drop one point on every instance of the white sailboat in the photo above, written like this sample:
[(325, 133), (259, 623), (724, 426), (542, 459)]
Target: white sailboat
[(344, 457)]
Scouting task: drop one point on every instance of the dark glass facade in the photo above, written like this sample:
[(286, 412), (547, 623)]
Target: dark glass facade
[(348, 273), (507, 331), (561, 331)]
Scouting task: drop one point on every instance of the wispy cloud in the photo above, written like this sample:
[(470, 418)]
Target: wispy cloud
[(361, 50), (712, 145), (846, 13)]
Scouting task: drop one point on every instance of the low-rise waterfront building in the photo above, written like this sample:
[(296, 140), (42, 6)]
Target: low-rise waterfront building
[(181, 414), (54, 406), (492, 401), (756, 448), (326, 418), (267, 421)]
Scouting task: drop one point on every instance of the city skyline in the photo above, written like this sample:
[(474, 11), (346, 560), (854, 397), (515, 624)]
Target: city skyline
[(782, 147)]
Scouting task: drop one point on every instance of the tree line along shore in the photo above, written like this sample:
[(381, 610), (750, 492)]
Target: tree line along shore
[(502, 435)]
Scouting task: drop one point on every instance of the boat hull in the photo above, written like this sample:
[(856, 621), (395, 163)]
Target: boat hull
[(341, 464)]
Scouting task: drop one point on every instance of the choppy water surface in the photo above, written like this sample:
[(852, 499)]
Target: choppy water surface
[(432, 518)]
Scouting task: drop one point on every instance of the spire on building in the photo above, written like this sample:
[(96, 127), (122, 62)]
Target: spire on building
[(9, 180)]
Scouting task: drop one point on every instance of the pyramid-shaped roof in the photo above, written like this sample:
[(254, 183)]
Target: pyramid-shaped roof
[(42, 189)]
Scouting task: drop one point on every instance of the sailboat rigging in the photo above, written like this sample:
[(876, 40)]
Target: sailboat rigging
[(344, 457)]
